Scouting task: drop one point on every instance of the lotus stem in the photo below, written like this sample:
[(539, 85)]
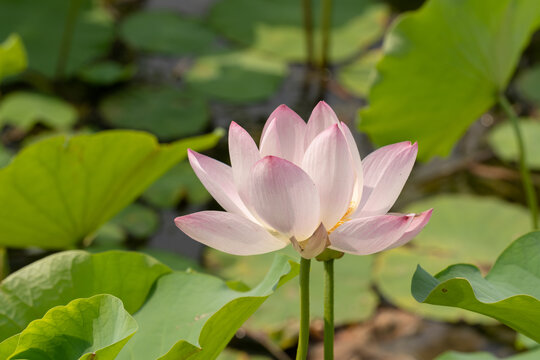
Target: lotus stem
[(308, 31), (523, 167), (303, 337), (67, 37), (329, 309), (326, 25)]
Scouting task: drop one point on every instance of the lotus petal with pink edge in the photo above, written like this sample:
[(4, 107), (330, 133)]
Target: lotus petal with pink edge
[(284, 197), (322, 117), (243, 153), (227, 232), (385, 172), (328, 162), (369, 235), (417, 225)]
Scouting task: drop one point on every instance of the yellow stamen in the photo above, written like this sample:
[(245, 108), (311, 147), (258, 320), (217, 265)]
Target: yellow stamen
[(345, 218)]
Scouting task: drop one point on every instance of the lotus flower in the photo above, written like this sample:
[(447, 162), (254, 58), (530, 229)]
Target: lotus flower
[(305, 185)]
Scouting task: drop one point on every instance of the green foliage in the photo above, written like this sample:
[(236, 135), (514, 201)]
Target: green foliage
[(530, 355), (236, 76), (137, 220), (358, 76), (41, 25), (24, 109), (12, 56), (106, 73), (510, 292), (85, 329), (443, 66), (190, 315), (63, 277), (167, 33), (503, 141), (69, 187), (167, 112), (5, 156), (463, 228), (528, 84)]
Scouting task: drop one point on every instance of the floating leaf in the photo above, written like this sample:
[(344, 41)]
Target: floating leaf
[(195, 315), (63, 277), (85, 329), (24, 109), (443, 66), (510, 292), (276, 27), (166, 112), (12, 57), (137, 220), (503, 141), (359, 75), (237, 76), (173, 260), (170, 33), (178, 183), (452, 355), (354, 299), (106, 73), (69, 187), (41, 25), (463, 228)]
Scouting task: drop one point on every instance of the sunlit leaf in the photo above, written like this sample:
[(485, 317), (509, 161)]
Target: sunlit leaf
[(58, 191), (24, 109), (12, 56), (85, 329), (503, 141), (443, 66), (166, 112), (463, 228), (510, 292), (359, 75)]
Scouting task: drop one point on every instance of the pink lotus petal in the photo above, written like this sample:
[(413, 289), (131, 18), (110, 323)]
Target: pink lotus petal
[(355, 155), (321, 119), (369, 235), (228, 232), (328, 162), (417, 225), (385, 172), (313, 246), (244, 154), (217, 178), (284, 197), (283, 135)]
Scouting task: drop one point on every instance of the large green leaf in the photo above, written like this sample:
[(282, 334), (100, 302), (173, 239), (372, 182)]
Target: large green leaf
[(354, 298), (503, 141), (29, 293), (463, 228), (166, 112), (12, 56), (443, 66), (510, 292), (24, 109), (191, 315), (58, 191), (530, 355), (85, 329), (276, 26), (41, 25), (170, 34)]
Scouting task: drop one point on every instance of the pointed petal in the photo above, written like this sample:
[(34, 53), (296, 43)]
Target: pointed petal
[(417, 225), (328, 163), (283, 135), (355, 156), (385, 172), (284, 197), (228, 232), (217, 178), (369, 235), (321, 119), (244, 154), (313, 246)]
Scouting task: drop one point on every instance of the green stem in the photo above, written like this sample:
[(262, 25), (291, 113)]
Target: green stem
[(308, 31), (67, 37), (329, 309), (523, 168), (326, 24), (303, 338)]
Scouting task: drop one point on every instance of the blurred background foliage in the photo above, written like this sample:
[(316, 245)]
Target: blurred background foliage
[(179, 70)]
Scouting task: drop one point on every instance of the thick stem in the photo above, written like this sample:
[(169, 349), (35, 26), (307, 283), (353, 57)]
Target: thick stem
[(303, 338), (326, 25), (308, 31), (523, 167), (329, 309), (67, 37)]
